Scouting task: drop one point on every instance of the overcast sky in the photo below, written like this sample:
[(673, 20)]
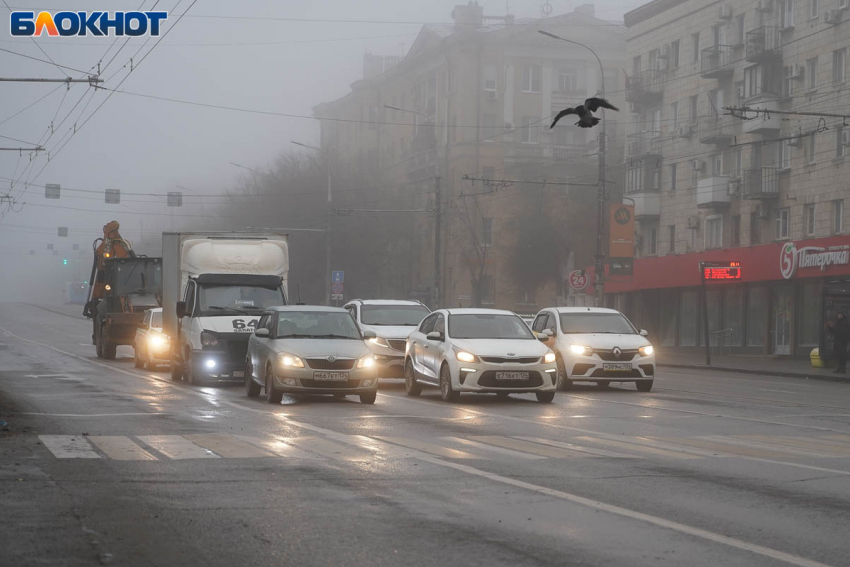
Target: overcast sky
[(143, 145)]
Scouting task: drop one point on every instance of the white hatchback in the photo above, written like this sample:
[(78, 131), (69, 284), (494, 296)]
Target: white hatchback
[(596, 345)]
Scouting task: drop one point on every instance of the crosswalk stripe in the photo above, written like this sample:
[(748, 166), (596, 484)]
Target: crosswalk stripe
[(500, 450), (432, 448), (579, 448), (177, 447), (280, 446), (69, 446), (526, 447), (228, 446), (782, 450), (639, 447), (120, 448), (329, 449)]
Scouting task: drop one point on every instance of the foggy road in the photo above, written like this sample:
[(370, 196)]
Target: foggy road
[(103, 463)]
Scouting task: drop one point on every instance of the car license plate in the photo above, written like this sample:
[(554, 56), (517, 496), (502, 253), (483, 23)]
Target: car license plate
[(238, 373), (511, 375), (330, 376), (617, 366)]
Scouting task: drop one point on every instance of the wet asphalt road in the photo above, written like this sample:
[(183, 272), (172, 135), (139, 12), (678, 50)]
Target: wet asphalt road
[(101, 463)]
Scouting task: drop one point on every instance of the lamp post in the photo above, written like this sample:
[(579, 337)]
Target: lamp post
[(599, 265), (328, 220)]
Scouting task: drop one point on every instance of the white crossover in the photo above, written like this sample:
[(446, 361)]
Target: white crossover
[(151, 345), (596, 345), (478, 350)]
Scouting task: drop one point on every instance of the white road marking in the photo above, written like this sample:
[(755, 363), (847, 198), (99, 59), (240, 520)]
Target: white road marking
[(227, 446), (746, 441), (526, 447), (280, 446), (426, 447), (640, 448), (120, 448), (329, 449), (177, 447), (69, 446), (579, 448), (494, 449)]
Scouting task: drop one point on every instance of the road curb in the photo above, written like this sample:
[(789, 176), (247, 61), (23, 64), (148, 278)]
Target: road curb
[(784, 374)]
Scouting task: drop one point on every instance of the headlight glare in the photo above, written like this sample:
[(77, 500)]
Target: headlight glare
[(549, 358), (157, 340), (579, 349), (646, 350), (367, 361), (290, 360), (381, 341), (464, 356)]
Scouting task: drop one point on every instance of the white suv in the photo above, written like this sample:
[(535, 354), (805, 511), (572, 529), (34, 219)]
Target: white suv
[(596, 345), (392, 321)]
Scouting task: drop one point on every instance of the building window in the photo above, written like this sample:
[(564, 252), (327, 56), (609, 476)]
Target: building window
[(694, 100), (568, 79), (671, 239), (717, 165), (812, 73), (753, 81), (813, 9), (674, 54), (840, 148), (488, 127), (839, 66), (530, 130), (738, 30), (785, 154), (788, 81), (786, 13), (653, 59), (810, 148), (838, 216), (735, 232), (739, 163), (486, 231), (531, 79), (713, 232), (674, 115), (755, 229), (673, 173), (695, 47), (809, 219), (489, 77), (783, 217), (487, 286), (757, 308), (651, 241), (843, 4)]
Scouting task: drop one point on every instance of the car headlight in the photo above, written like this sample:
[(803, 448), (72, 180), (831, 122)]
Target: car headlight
[(367, 361), (208, 340), (157, 340), (646, 350), (290, 360), (464, 356), (380, 341), (549, 358), (579, 349)]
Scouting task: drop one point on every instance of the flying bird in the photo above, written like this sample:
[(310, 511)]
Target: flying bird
[(585, 111)]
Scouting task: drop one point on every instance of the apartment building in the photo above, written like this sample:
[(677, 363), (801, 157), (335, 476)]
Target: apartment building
[(471, 103), (753, 184)]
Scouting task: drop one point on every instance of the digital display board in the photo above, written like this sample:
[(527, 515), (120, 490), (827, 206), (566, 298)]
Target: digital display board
[(720, 271)]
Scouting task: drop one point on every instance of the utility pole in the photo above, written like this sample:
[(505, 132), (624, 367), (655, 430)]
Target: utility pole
[(92, 80), (38, 149), (438, 227)]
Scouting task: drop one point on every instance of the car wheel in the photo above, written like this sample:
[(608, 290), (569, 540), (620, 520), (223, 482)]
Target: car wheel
[(137, 362), (545, 397), (502, 395), (189, 369), (446, 391), (98, 341), (176, 369), (411, 386), (273, 395), (252, 389), (644, 385), (368, 397), (603, 383), (564, 383)]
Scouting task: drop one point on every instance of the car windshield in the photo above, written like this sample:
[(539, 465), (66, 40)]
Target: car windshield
[(239, 298), (613, 323), (393, 315), (156, 319), (316, 325), (486, 326)]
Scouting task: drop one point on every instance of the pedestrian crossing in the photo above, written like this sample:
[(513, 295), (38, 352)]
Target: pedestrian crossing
[(360, 448)]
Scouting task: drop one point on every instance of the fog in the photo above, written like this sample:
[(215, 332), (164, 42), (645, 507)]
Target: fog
[(142, 145)]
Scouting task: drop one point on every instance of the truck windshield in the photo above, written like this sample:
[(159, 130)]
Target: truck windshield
[(138, 277), (239, 298), (393, 315)]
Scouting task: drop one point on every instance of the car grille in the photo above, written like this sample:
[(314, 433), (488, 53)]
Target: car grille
[(599, 373), (607, 355), (502, 360), (237, 350), (325, 364), (488, 379), (397, 344), (309, 383)]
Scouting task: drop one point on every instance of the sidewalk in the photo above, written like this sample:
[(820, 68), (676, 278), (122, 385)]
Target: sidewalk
[(766, 365)]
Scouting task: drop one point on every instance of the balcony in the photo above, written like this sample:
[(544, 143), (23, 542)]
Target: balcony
[(643, 176), (760, 183), (647, 204), (645, 87), (713, 192), (717, 130), (641, 144), (763, 44), (717, 62), (763, 122)]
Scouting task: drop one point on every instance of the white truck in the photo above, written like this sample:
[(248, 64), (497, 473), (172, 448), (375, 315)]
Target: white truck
[(215, 287)]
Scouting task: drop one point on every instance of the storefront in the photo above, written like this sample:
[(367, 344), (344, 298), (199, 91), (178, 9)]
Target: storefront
[(786, 293)]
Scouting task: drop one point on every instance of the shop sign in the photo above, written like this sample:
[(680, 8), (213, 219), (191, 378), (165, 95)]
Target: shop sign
[(792, 258)]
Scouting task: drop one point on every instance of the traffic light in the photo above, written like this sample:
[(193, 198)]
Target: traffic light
[(64, 261)]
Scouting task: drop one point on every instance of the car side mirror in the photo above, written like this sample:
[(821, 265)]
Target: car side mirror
[(644, 333), (262, 332), (369, 334), (181, 309), (434, 336), (545, 335)]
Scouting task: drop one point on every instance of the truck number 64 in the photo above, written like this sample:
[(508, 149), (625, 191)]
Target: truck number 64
[(240, 323)]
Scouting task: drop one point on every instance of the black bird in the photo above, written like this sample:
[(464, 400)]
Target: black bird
[(584, 112)]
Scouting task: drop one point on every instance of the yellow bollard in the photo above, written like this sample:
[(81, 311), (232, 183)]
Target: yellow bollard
[(817, 361)]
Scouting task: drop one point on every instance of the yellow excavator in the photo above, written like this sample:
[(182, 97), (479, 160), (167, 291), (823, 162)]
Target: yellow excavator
[(123, 285)]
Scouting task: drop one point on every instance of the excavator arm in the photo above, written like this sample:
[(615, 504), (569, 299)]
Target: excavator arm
[(112, 245)]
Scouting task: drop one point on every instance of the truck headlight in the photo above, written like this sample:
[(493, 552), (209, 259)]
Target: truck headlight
[(579, 349), (290, 360), (646, 350), (367, 361), (208, 340), (549, 358)]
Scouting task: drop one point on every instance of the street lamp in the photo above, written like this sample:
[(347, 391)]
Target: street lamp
[(599, 266), (328, 221)]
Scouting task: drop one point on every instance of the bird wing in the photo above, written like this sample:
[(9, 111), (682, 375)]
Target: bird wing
[(594, 104), (561, 114)]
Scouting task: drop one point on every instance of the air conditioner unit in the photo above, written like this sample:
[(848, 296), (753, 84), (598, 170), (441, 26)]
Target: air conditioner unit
[(832, 16), (492, 95), (796, 141), (845, 137), (725, 12), (698, 165), (664, 52), (693, 222), (685, 131)]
